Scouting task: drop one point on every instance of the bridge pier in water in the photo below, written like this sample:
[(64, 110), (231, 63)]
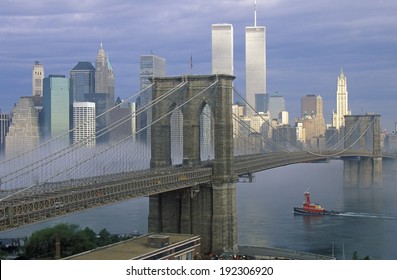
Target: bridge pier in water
[(207, 210), (364, 171)]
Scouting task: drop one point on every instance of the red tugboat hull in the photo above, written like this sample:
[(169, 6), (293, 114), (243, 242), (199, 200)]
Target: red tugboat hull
[(309, 208), (302, 211)]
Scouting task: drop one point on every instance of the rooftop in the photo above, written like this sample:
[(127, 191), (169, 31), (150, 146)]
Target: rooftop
[(134, 248), (83, 65)]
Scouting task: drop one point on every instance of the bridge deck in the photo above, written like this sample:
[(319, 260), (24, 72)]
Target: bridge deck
[(50, 200)]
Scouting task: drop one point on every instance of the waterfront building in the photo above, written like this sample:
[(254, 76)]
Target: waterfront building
[(151, 66), (261, 102), (331, 137), (283, 116), (391, 142), (82, 79), (4, 126), (338, 119), (222, 49), (300, 132), (308, 105), (312, 119), (276, 105), (238, 113), (102, 119), (24, 133), (84, 123), (37, 79), (285, 136), (255, 63), (56, 98), (121, 120), (250, 133)]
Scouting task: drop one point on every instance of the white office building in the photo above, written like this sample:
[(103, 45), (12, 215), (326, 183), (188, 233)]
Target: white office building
[(84, 123), (338, 119)]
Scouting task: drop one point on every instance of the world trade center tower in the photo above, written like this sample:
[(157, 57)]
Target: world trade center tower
[(255, 64), (222, 49)]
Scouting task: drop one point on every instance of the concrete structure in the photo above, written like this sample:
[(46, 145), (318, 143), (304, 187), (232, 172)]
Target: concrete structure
[(84, 123), (148, 247), (210, 212), (363, 171), (56, 106), (23, 133), (82, 81), (37, 79), (222, 49), (338, 117)]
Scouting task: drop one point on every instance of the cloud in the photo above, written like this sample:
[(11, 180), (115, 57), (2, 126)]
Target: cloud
[(307, 42)]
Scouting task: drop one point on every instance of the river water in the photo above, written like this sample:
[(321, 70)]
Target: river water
[(368, 224)]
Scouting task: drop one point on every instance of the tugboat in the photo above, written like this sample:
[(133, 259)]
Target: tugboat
[(310, 209)]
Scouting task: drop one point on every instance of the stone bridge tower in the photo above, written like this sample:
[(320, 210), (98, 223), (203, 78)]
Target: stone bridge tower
[(210, 212), (362, 135)]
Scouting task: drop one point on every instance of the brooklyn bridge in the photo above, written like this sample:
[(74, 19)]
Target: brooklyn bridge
[(193, 194)]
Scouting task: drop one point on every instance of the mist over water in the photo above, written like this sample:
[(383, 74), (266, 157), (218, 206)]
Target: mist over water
[(368, 225), (265, 218)]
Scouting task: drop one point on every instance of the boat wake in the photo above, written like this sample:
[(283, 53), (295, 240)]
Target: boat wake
[(366, 215)]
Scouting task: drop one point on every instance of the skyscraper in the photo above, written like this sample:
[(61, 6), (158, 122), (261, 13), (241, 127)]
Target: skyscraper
[(104, 76), (4, 125), (312, 119), (82, 79), (56, 105), (222, 49), (255, 63), (37, 79), (308, 105), (84, 123), (150, 66), (23, 133), (338, 119), (276, 105), (261, 102)]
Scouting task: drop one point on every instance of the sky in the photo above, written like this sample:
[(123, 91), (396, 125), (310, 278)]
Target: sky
[(308, 42)]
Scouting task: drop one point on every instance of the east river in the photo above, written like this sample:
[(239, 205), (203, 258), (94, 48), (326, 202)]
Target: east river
[(368, 224)]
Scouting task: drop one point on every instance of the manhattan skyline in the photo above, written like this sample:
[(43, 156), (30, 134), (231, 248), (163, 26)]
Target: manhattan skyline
[(307, 44)]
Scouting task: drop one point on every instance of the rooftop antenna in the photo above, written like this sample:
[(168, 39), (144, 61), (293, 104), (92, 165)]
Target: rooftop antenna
[(255, 13)]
